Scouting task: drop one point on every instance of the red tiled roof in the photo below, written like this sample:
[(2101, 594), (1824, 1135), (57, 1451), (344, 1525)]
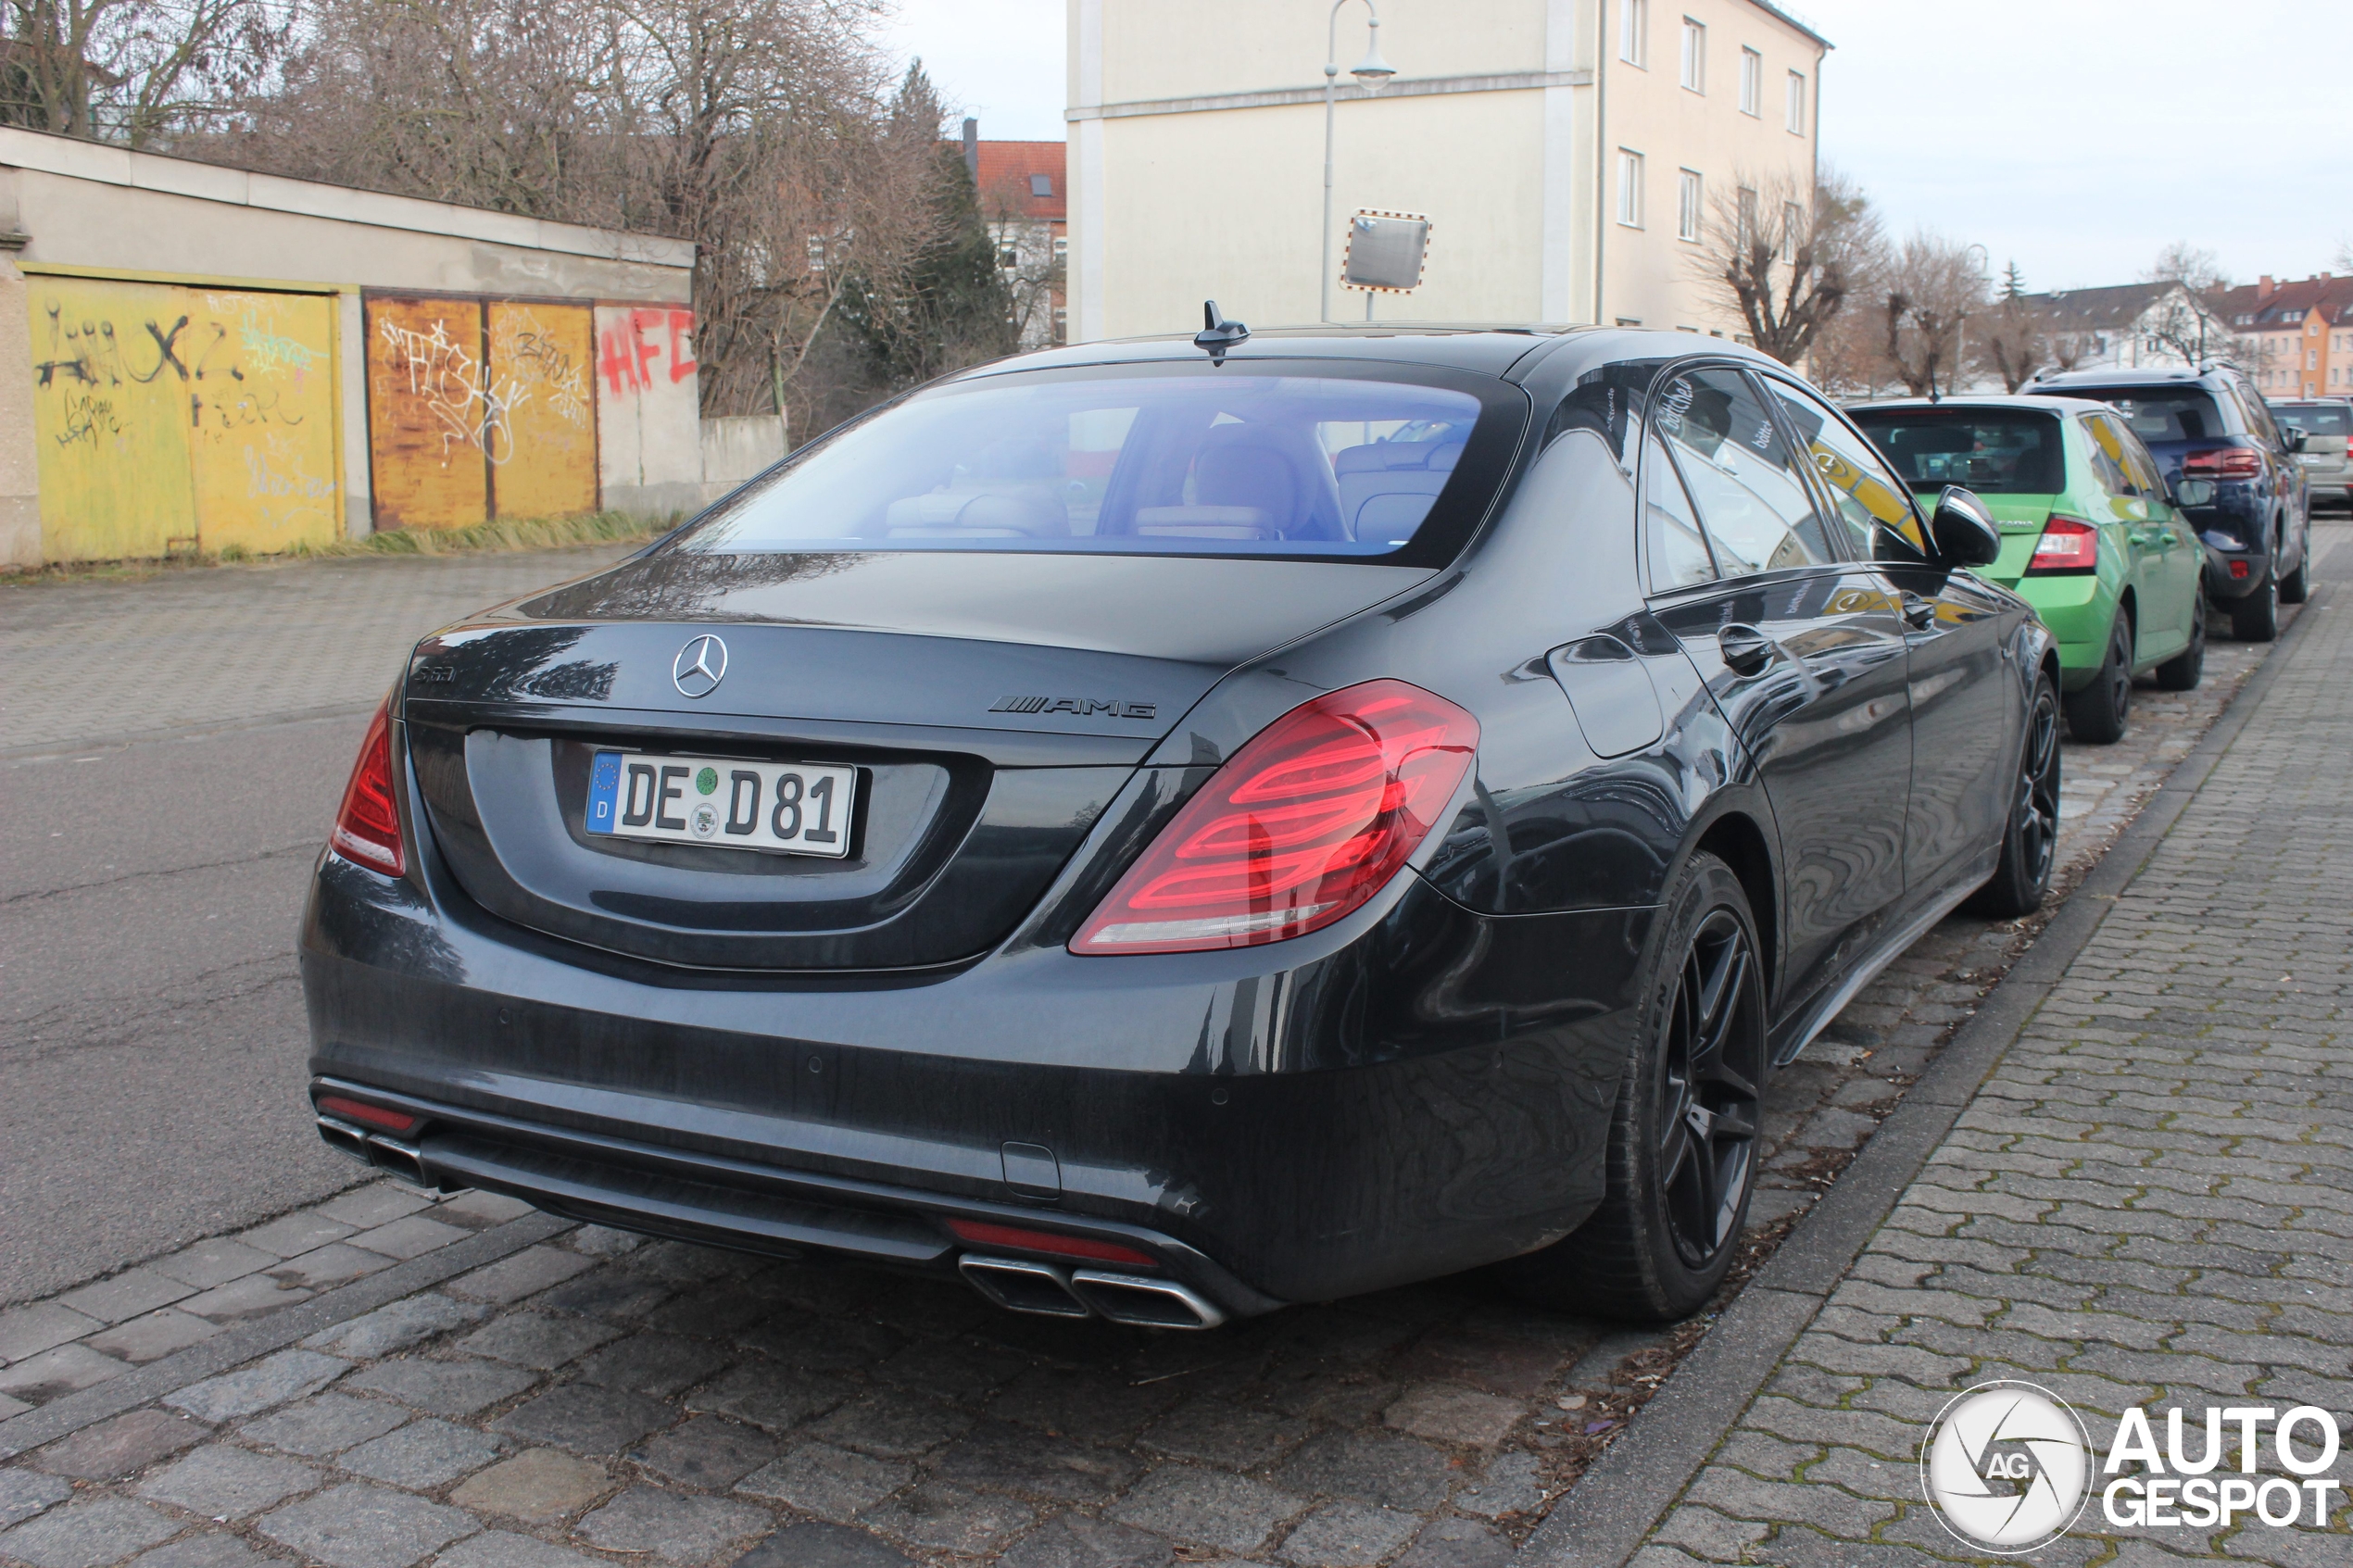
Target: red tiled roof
[(2288, 303), (1006, 169)]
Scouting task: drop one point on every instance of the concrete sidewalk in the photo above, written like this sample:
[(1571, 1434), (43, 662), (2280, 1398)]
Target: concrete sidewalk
[(2148, 1202)]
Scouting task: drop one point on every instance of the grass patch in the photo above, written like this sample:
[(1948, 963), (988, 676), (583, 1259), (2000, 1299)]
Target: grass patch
[(545, 533), (482, 538)]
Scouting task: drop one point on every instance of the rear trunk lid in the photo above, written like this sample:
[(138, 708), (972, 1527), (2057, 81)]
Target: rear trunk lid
[(990, 706)]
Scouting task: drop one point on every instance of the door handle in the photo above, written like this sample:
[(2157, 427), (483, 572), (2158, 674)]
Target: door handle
[(1745, 650), (1919, 614)]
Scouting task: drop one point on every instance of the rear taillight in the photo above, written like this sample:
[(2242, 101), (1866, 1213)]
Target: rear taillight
[(368, 826), (1300, 826), (2222, 462), (2069, 543)]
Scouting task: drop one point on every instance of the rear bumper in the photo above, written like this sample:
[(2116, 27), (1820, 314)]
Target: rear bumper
[(1382, 1102), (2078, 608)]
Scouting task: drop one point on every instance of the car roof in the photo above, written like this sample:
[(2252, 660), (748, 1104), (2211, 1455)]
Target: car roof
[(2139, 376), (2037, 404), (1509, 350)]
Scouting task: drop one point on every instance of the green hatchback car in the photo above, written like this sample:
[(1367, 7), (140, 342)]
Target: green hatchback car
[(2090, 535)]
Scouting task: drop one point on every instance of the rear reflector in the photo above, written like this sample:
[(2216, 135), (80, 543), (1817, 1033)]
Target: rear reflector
[(366, 828), (1300, 827), (368, 1115), (982, 1234), (2240, 571), (2067, 545)]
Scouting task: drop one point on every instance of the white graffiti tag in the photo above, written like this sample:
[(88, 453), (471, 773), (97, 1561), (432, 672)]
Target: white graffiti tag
[(468, 406)]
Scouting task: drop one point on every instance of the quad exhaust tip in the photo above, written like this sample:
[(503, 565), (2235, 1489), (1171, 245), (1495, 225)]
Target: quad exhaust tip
[(405, 1161), (1021, 1284)]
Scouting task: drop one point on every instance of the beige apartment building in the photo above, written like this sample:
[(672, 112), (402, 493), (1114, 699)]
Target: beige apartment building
[(1568, 154)]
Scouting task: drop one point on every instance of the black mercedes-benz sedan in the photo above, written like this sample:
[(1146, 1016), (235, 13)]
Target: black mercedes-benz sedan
[(1169, 829)]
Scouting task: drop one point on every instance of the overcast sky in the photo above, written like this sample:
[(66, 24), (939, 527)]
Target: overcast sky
[(2073, 136)]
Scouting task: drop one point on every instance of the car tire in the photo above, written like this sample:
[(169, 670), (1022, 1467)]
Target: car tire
[(2255, 618), (2029, 836), (2297, 585), (2186, 669), (2097, 713), (1683, 1154)]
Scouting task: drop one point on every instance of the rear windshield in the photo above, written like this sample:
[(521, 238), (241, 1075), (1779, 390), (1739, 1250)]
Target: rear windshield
[(2169, 413), (1993, 451), (2315, 419), (1167, 459)]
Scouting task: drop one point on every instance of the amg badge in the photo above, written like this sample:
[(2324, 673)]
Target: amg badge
[(1083, 707)]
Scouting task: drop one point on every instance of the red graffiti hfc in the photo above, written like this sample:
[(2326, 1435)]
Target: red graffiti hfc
[(628, 354)]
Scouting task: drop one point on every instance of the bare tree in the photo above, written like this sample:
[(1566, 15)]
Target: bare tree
[(133, 71), (2186, 319), (768, 132), (1786, 254), (2017, 336), (1931, 288)]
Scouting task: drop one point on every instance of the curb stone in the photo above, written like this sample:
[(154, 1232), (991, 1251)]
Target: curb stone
[(1604, 1520)]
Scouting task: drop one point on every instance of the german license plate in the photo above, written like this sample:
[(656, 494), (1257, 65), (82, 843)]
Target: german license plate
[(791, 808)]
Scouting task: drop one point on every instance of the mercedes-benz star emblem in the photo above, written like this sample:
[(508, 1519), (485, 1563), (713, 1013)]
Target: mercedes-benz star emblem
[(701, 665)]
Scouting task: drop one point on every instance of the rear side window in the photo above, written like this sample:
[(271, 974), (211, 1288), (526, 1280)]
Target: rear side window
[(2107, 457), (1749, 488), (2315, 419), (1991, 451), (2155, 414), (1678, 548), (1158, 460)]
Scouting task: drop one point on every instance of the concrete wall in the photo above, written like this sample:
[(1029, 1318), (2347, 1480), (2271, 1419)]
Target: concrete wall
[(96, 219), (736, 449), (648, 430), (1196, 144)]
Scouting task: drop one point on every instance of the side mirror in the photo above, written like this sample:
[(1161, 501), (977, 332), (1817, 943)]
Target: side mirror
[(1962, 531), (2192, 491), (2294, 437)]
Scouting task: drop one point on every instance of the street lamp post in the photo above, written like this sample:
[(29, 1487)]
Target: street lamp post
[(1371, 72)]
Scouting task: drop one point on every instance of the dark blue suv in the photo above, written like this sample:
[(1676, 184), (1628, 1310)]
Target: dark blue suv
[(2233, 474)]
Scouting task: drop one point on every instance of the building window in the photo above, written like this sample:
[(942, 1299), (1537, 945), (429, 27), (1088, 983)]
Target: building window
[(1061, 325), (1694, 55), (1062, 246), (1041, 184), (1792, 221), (1796, 104), (1634, 30), (1745, 207), (1629, 188), (1687, 194), (1752, 82)]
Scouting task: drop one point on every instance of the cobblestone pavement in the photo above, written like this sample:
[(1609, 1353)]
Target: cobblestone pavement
[(99, 661), (379, 1378), (2145, 1205)]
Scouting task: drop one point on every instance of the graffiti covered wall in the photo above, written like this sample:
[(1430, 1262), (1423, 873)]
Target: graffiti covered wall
[(479, 410), (170, 417), (648, 415)]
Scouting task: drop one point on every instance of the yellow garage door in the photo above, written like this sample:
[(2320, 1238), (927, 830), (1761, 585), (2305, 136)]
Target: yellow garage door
[(540, 360), (430, 412), (479, 410), (173, 418)]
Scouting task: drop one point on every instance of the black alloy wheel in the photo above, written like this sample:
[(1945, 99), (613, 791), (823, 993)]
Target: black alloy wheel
[(2097, 712), (1707, 1128), (2186, 669), (1682, 1158), (2030, 838)]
